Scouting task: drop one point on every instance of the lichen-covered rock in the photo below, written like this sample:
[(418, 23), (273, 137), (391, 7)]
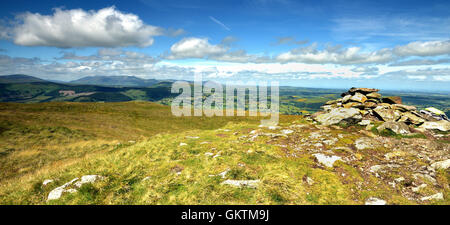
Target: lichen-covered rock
[(353, 105), (411, 118), (392, 100), (346, 98), (404, 108), (363, 90), (386, 114), (374, 95), (438, 125), (338, 115), (358, 97), (396, 127)]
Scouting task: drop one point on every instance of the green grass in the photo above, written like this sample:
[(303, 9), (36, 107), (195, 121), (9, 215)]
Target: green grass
[(127, 142), (36, 135)]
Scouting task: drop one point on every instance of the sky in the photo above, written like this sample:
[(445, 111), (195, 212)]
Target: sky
[(392, 45)]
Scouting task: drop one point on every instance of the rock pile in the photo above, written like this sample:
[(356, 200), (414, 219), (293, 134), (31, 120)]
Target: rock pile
[(362, 105)]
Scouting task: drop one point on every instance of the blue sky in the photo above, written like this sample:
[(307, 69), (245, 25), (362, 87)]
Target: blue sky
[(384, 44)]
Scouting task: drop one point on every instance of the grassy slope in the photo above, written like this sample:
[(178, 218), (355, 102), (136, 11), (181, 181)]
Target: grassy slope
[(62, 141), (34, 135)]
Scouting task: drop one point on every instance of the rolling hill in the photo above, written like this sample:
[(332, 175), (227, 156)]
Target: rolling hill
[(28, 89), (294, 100), (121, 81), (19, 78)]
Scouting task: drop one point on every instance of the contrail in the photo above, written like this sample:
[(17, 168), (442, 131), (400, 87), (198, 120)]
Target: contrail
[(220, 23)]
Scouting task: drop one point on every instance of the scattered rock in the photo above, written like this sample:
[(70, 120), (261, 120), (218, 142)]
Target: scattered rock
[(57, 192), (376, 168), (47, 181), (441, 165), (375, 201), (287, 131), (364, 122), (327, 161), (191, 137), (309, 181), (88, 179), (224, 173), (418, 188), (427, 177), (438, 196), (363, 143), (394, 154), (242, 183)]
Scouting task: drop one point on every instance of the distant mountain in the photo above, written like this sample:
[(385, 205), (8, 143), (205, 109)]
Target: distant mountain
[(19, 78), (23, 88), (121, 81)]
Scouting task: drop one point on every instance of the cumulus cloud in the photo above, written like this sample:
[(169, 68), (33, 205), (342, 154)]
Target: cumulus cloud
[(106, 27), (427, 48), (335, 55), (201, 48), (195, 48)]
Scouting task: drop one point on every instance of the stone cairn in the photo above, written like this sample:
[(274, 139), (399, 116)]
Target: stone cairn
[(366, 105)]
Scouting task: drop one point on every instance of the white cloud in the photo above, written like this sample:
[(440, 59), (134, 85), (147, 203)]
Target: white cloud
[(442, 78), (195, 48), (106, 27), (419, 62), (335, 55), (428, 48)]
